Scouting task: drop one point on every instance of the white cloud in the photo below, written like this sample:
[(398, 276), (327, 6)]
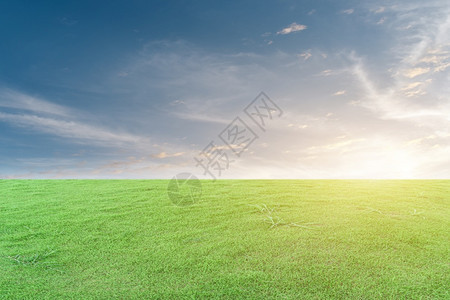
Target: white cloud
[(417, 93), (388, 104), (166, 155), (43, 116), (379, 10), (414, 72), (339, 93), (67, 21), (441, 67), (339, 145), (414, 89), (207, 118), (413, 85), (73, 130), (348, 11), (17, 100), (381, 21), (292, 28), (305, 55), (327, 72)]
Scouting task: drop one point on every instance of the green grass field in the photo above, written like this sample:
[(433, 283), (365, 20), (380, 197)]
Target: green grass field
[(259, 239)]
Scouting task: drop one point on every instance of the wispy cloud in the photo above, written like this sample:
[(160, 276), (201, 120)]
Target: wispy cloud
[(414, 72), (379, 9), (305, 55), (71, 130), (67, 21), (326, 72), (339, 93), (388, 103), (294, 27), (208, 118), (381, 21), (17, 100), (415, 88), (42, 116), (342, 145), (348, 11), (419, 61), (166, 155)]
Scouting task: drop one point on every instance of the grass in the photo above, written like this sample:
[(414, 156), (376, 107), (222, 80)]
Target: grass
[(260, 239)]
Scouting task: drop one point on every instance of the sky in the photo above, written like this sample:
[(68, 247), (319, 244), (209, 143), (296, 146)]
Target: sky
[(151, 89)]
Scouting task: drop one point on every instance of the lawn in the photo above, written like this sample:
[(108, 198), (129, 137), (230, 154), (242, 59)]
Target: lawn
[(260, 239)]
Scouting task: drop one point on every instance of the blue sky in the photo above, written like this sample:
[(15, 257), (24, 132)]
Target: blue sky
[(137, 89)]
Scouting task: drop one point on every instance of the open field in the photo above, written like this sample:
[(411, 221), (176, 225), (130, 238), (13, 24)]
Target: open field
[(290, 239)]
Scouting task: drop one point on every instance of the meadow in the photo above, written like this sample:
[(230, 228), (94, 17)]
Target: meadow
[(253, 239)]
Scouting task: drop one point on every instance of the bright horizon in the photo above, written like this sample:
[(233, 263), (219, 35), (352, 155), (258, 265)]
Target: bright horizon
[(138, 90)]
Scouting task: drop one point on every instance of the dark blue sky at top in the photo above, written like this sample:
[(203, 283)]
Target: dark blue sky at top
[(42, 41)]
